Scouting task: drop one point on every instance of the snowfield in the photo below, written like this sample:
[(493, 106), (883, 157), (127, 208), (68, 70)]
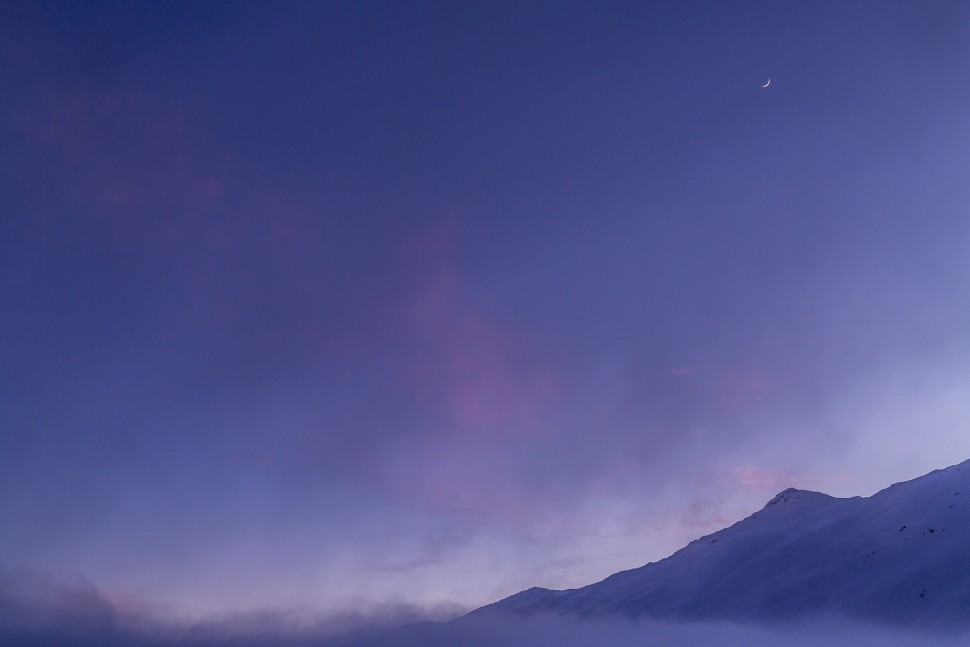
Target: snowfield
[(899, 558)]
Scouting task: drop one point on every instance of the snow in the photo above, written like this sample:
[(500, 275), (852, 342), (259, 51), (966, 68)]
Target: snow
[(900, 557)]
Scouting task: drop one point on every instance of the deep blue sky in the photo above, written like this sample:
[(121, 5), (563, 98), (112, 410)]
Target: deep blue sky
[(324, 305)]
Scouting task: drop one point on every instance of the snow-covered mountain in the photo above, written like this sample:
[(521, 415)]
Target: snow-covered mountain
[(901, 556)]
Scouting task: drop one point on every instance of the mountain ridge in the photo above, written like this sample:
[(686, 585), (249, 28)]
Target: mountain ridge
[(900, 556)]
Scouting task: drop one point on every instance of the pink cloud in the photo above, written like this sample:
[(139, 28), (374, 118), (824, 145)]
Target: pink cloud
[(740, 389), (114, 147), (749, 477), (482, 407), (761, 479), (467, 372)]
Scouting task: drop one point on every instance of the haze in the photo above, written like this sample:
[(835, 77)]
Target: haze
[(324, 308)]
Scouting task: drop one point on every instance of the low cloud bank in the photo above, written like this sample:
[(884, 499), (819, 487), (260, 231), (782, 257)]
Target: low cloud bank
[(36, 616), (37, 612), (570, 632)]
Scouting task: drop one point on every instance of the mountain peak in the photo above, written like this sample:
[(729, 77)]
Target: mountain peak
[(898, 557), (792, 495), (788, 495)]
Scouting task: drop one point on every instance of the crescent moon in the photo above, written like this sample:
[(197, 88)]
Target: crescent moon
[(768, 83)]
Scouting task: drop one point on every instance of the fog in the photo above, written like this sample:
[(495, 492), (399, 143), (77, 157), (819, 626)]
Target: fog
[(565, 633), (25, 624), (572, 632), (37, 612)]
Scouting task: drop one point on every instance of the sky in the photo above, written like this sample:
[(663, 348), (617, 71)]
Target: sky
[(317, 307)]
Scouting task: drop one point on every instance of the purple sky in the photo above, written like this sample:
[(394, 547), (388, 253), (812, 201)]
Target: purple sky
[(352, 304)]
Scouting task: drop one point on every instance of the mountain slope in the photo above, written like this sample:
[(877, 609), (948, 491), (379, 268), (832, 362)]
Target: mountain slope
[(901, 556)]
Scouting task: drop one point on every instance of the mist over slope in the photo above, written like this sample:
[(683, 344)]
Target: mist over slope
[(808, 570), (542, 630), (900, 557), (535, 631)]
